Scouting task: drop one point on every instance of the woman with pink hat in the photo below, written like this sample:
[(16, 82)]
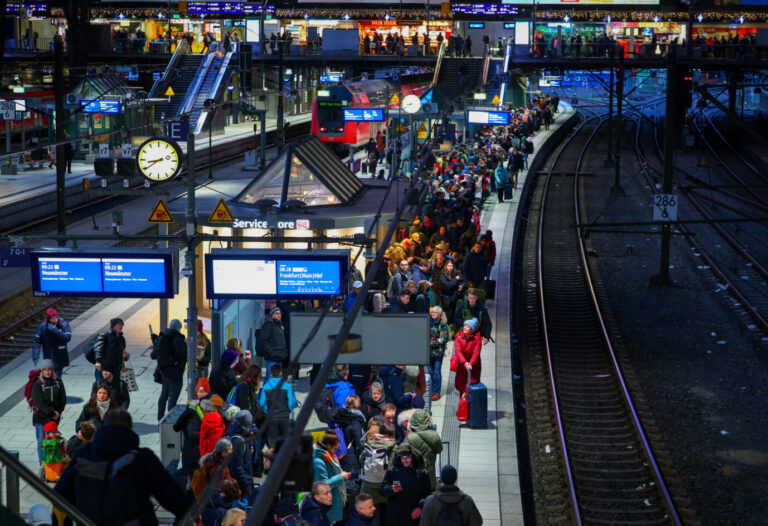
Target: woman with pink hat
[(52, 337)]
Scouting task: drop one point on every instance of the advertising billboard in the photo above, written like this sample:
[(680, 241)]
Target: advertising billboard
[(493, 118), (275, 274), (103, 274)]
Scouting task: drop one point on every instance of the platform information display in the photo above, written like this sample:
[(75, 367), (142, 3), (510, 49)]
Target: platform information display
[(100, 106), (571, 3), (110, 275), (500, 118), (275, 274), (363, 114)]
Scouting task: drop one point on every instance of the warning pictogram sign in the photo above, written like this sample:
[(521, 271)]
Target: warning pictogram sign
[(169, 92), (160, 213), (496, 100), (395, 99), (221, 214)]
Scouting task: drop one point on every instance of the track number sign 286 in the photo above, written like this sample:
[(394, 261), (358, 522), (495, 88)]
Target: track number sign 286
[(665, 207)]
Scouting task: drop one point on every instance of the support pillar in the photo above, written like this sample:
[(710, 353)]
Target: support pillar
[(618, 132)]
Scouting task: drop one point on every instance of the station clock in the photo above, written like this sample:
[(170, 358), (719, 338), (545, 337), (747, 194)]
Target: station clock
[(159, 159), (411, 103)]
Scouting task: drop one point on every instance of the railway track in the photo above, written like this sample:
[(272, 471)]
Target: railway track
[(598, 466), (736, 269)]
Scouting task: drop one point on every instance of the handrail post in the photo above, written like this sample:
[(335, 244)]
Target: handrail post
[(12, 486)]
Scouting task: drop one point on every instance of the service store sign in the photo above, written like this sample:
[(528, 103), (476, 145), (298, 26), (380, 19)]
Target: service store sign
[(287, 224)]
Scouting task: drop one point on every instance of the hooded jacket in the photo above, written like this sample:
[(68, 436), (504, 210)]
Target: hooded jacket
[(315, 513), (222, 379), (211, 430), (425, 440), (241, 466), (143, 477), (327, 469), (377, 442), (415, 483), (393, 386), (49, 397), (52, 339), (448, 494), (189, 424)]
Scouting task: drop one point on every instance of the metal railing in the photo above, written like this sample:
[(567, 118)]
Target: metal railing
[(181, 49)]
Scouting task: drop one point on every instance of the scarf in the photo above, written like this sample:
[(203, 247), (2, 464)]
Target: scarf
[(103, 407)]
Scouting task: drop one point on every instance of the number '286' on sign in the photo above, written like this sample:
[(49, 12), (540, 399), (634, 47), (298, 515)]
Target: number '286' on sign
[(665, 207)]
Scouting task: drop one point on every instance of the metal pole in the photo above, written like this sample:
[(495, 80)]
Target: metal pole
[(191, 284), (280, 94), (689, 29), (210, 150), (12, 486), (618, 132), (163, 231), (263, 119), (669, 144), (61, 165), (610, 115)]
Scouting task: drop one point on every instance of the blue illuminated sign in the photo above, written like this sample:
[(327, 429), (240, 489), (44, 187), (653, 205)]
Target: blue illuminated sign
[(330, 78), (270, 274), (476, 25), (495, 118), (100, 106), (484, 9), (364, 114), (15, 257), (105, 274)]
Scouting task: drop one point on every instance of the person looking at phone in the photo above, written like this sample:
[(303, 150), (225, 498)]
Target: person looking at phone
[(405, 486)]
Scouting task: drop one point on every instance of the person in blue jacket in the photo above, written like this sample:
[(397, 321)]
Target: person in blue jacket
[(392, 375), (278, 403), (356, 286), (501, 178), (52, 338), (340, 385)]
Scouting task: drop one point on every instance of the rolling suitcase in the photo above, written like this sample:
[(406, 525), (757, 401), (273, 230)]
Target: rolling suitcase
[(508, 191), (478, 405)]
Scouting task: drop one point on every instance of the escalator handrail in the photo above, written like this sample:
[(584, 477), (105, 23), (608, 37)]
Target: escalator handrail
[(214, 91), (181, 49), (440, 55), (194, 87)]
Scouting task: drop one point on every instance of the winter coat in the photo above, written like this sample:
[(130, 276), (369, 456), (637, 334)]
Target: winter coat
[(475, 267), (341, 390), (49, 397), (189, 424), (447, 494), (425, 440), (246, 398), (241, 465), (393, 386), (108, 350), (242, 364), (501, 176), (315, 513), (396, 283), (355, 519), (117, 388), (372, 408), (377, 442), (281, 404), (466, 312), (222, 380), (211, 430), (449, 289), (328, 470), (468, 350), (52, 339), (178, 349), (415, 483), (145, 477), (438, 338), (86, 415), (272, 341), (352, 423)]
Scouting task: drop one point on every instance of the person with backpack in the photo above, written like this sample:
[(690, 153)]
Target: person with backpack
[(49, 398), (212, 427), (448, 505), (171, 356), (339, 385), (222, 378), (241, 466), (245, 394), (109, 349), (405, 484), (278, 403), (118, 389), (327, 469), (189, 424), (423, 437), (393, 385), (52, 337), (271, 342), (95, 408), (398, 280), (112, 480), (378, 454), (471, 308)]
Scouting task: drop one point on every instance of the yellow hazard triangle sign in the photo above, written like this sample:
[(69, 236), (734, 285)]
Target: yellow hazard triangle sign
[(496, 100), (221, 213), (169, 92), (160, 213)]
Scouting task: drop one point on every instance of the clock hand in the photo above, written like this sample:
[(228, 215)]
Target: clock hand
[(153, 162)]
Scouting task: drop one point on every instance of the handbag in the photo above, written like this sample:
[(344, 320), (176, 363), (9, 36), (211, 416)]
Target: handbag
[(462, 413), (129, 377), (455, 363)]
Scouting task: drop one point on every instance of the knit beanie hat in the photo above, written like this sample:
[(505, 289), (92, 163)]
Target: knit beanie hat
[(448, 475), (175, 325), (50, 427), (46, 364), (203, 385), (229, 356), (472, 324), (217, 400), (417, 402), (244, 418), (51, 313), (273, 310), (39, 515)]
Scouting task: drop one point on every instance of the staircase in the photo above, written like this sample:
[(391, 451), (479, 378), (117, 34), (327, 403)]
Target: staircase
[(460, 75), (188, 66)]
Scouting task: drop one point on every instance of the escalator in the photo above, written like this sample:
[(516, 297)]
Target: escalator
[(179, 75), (460, 75), (210, 83)]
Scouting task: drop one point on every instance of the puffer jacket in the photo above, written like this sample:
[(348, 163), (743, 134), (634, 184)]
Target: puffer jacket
[(211, 430), (427, 441), (49, 396), (189, 423), (415, 483)]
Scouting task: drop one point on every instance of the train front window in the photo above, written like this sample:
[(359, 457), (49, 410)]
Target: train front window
[(330, 118)]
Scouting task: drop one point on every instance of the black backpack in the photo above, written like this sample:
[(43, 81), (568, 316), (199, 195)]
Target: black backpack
[(162, 351), (325, 407), (450, 515), (106, 491), (90, 348), (527, 146)]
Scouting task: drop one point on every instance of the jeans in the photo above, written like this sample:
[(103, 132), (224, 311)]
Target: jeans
[(435, 365), (269, 365), (170, 393), (39, 434), (279, 428)]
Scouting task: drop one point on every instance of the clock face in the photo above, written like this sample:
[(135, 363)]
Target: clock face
[(159, 159), (411, 103)]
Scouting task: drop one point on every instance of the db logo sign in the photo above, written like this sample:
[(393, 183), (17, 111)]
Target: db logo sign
[(302, 223)]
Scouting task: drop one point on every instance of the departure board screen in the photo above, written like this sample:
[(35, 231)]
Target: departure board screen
[(275, 274), (571, 3), (493, 118), (364, 114), (109, 275), (485, 9)]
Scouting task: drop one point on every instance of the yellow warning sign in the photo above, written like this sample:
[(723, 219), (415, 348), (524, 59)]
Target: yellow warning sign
[(169, 92), (421, 133), (395, 99), (400, 127), (496, 100), (160, 213), (221, 214)]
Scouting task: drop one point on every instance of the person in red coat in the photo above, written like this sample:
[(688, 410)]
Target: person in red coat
[(211, 429), (467, 346)]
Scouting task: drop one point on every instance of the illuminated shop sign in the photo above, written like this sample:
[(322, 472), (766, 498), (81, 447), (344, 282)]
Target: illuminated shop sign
[(286, 224), (225, 8), (30, 9), (484, 9)]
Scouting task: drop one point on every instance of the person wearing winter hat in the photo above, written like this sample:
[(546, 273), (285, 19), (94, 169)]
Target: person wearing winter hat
[(51, 338), (172, 359), (467, 345), (39, 515), (356, 286), (212, 428), (271, 341), (109, 349), (49, 398), (202, 388), (222, 378), (448, 494)]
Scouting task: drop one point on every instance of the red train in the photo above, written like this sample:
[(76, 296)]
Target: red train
[(32, 96), (327, 118)]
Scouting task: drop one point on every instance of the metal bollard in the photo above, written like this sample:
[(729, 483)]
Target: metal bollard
[(428, 392), (12, 486)]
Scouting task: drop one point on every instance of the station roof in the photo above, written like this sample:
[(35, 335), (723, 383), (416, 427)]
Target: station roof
[(307, 171), (104, 86)]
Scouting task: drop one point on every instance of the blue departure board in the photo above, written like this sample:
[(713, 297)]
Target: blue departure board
[(275, 274), (493, 118), (364, 114), (100, 106), (103, 274)]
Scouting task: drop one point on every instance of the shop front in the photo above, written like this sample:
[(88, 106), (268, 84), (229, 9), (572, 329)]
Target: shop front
[(374, 33), (646, 38)]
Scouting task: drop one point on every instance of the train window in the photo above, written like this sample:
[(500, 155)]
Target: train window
[(330, 119), (304, 186)]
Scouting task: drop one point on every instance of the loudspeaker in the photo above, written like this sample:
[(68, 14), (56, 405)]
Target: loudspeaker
[(104, 167), (126, 167)]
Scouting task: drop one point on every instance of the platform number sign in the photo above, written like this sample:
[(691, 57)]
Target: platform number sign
[(8, 110), (126, 150), (104, 150), (665, 207)]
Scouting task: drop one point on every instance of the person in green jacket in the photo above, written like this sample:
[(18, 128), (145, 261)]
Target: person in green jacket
[(328, 470), (426, 440)]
